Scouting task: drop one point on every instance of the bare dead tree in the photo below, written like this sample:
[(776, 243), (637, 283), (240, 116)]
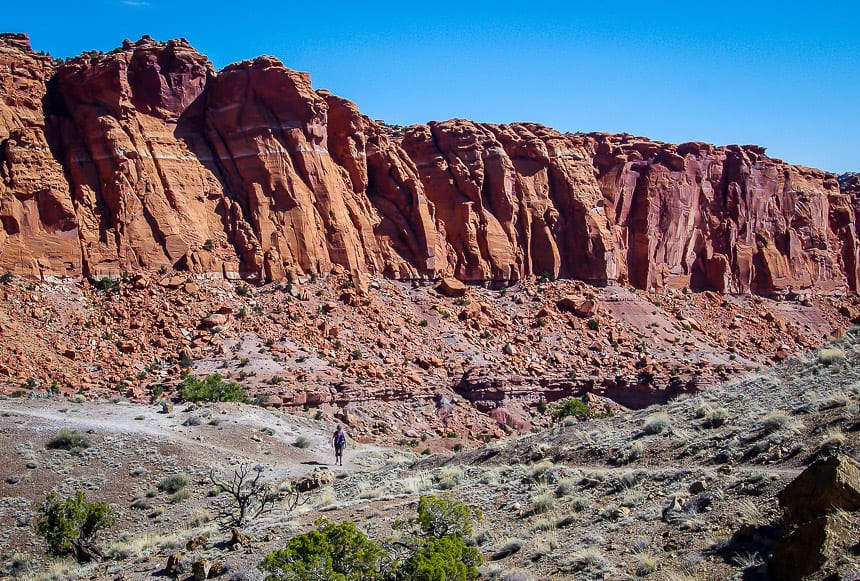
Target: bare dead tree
[(249, 496)]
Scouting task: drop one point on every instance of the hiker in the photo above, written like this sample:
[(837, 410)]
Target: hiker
[(338, 440)]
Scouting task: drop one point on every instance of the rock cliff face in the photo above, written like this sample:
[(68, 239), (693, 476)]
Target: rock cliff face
[(147, 158)]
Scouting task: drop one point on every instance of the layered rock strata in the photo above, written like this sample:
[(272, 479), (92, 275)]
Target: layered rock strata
[(147, 158)]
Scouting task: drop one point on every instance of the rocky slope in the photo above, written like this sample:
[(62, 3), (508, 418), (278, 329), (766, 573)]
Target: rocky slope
[(148, 158), (705, 487)]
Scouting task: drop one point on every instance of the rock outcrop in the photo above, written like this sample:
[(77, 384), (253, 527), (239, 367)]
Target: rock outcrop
[(147, 158), (821, 510)]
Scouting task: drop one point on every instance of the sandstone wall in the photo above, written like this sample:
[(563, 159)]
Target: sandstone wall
[(147, 158)]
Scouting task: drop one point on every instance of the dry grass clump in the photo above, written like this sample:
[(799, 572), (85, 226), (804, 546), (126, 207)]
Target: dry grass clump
[(544, 524), (71, 440), (448, 478), (830, 355), (832, 441), (580, 503), (564, 487), (508, 548), (778, 420), (592, 479), (367, 491), (835, 400), (541, 468), (748, 512), (174, 483), (627, 454), (712, 414), (542, 503), (645, 564), (199, 517), (417, 483), (589, 558), (656, 423), (327, 497)]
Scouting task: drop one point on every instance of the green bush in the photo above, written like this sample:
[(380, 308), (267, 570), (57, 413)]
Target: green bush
[(335, 551), (443, 559), (173, 484), (433, 550), (71, 440), (439, 517), (106, 283), (71, 525), (570, 407), (211, 388)]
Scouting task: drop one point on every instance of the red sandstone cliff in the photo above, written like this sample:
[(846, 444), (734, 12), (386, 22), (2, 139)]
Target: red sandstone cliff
[(147, 158)]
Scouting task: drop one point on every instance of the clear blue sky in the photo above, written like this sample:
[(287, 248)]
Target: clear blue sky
[(782, 75)]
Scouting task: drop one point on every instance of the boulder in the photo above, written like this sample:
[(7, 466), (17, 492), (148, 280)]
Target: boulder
[(822, 512), (200, 569), (317, 479), (451, 287), (826, 486), (238, 538), (579, 306), (198, 542), (173, 563)]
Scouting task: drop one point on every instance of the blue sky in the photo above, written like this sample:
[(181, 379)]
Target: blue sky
[(782, 75)]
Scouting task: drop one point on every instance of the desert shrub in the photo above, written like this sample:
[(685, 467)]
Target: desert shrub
[(208, 245), (211, 388), (71, 440), (173, 484), (180, 495), (71, 525), (302, 442), (432, 548), (656, 423), (333, 551), (106, 283), (439, 517), (570, 407), (448, 558), (246, 495), (509, 548)]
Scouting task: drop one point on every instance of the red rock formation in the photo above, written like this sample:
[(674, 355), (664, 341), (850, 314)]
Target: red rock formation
[(147, 158), (39, 222)]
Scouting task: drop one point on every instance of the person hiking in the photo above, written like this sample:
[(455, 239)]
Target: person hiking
[(338, 440)]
